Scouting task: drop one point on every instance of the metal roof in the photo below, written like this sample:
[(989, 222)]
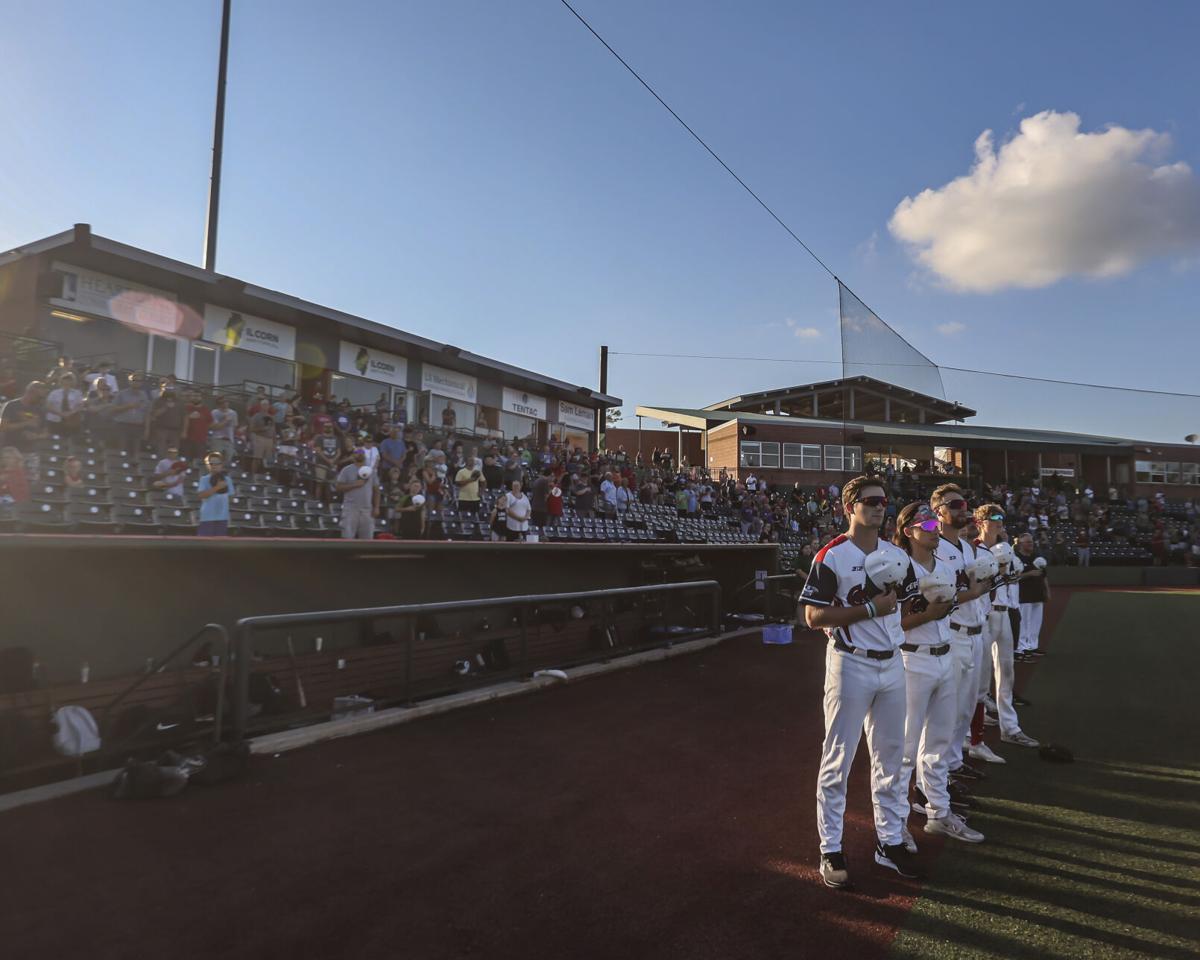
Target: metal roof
[(909, 396), (974, 433), (224, 287)]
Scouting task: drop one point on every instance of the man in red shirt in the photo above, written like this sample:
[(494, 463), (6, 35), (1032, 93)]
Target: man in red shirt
[(197, 420)]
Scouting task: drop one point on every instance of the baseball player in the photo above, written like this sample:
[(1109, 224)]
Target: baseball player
[(966, 620), (864, 678), (1034, 592), (927, 596), (990, 520)]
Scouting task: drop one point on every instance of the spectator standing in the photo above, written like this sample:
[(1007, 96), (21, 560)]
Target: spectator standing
[(22, 425), (411, 513), (517, 510), (262, 436), (129, 414), (538, 495), (467, 481), (222, 423), (165, 424), (169, 473), (392, 450), (1083, 547), (554, 505), (214, 491), (64, 406), (608, 495), (585, 498), (358, 500), (197, 420)]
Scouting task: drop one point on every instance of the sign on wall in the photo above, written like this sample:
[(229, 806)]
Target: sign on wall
[(576, 415), (233, 329), (448, 383), (525, 404), (360, 361), (85, 291)]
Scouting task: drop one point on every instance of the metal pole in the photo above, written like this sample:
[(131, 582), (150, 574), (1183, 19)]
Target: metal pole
[(600, 411), (214, 184)]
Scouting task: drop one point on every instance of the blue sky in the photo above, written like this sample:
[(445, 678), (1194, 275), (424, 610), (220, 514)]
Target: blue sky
[(486, 174)]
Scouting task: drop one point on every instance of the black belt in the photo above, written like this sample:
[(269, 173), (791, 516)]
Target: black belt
[(933, 651), (971, 631), (996, 606), (838, 644)]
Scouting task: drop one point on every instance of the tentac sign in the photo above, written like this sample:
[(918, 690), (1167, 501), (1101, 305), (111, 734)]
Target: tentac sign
[(524, 404), (235, 330), (574, 415), (85, 291), (448, 383), (371, 364)]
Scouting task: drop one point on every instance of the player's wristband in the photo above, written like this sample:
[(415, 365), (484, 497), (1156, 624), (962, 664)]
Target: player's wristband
[(871, 611)]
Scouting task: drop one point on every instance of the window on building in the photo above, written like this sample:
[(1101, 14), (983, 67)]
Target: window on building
[(515, 426), (460, 418), (1189, 473), (1172, 472), (846, 459), (1142, 471), (802, 456), (239, 367), (360, 392), (756, 453)]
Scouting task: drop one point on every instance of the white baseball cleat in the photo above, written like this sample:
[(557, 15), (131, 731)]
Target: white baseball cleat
[(1020, 738), (954, 826), (981, 751), (906, 838)]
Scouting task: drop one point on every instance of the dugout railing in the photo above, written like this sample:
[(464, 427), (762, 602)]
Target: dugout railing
[(301, 668)]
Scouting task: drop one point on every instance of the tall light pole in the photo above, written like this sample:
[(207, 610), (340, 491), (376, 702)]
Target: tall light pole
[(214, 184)]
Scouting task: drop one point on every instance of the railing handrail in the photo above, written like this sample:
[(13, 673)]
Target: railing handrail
[(323, 616)]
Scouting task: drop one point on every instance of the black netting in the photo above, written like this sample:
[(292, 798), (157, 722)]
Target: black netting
[(870, 348)]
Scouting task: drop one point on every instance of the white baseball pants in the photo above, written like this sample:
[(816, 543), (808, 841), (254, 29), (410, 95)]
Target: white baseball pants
[(1031, 626), (931, 701), (1002, 647), (968, 657), (984, 677), (862, 694)]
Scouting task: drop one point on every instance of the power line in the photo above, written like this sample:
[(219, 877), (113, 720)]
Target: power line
[(982, 373), (699, 139)]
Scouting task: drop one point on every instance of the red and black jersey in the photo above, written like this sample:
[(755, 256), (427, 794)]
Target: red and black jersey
[(837, 579)]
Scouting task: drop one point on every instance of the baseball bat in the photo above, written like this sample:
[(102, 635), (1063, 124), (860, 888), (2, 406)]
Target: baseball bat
[(296, 674)]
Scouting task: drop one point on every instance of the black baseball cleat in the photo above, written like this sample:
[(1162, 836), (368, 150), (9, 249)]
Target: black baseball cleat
[(960, 799), (834, 872), (967, 772), (895, 857)]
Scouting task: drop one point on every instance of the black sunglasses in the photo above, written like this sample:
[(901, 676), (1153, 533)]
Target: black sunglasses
[(873, 501)]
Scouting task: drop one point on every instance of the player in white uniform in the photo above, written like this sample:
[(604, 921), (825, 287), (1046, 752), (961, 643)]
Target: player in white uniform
[(976, 748), (990, 520), (927, 598), (864, 682), (966, 622)]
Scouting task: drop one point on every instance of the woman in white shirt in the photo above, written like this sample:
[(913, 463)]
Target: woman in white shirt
[(517, 510)]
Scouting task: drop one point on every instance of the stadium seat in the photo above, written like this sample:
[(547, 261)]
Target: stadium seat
[(91, 517), (176, 520), (38, 517), (133, 517)]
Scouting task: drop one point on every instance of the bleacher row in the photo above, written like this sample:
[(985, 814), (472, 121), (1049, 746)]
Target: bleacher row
[(117, 497)]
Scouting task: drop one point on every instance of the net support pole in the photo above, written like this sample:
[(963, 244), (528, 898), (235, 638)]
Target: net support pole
[(218, 147)]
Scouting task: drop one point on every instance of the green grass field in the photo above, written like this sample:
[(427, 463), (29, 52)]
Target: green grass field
[(1099, 858)]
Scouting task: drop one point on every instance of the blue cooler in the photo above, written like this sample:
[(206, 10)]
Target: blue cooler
[(777, 633)]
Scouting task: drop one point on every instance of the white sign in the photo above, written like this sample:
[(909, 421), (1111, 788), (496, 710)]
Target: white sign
[(1058, 471), (85, 291), (574, 415), (360, 361), (231, 329), (525, 404), (448, 383)]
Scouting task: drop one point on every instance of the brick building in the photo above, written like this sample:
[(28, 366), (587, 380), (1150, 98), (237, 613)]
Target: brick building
[(824, 432)]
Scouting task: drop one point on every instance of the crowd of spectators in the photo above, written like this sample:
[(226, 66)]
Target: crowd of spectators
[(393, 478)]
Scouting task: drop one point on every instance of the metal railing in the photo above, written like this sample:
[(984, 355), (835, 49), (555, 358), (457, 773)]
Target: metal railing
[(658, 609)]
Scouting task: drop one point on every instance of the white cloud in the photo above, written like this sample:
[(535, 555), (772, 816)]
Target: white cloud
[(951, 327), (1053, 202), (803, 333), (867, 251)]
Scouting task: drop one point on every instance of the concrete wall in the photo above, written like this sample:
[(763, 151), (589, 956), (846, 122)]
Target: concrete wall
[(112, 602)]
